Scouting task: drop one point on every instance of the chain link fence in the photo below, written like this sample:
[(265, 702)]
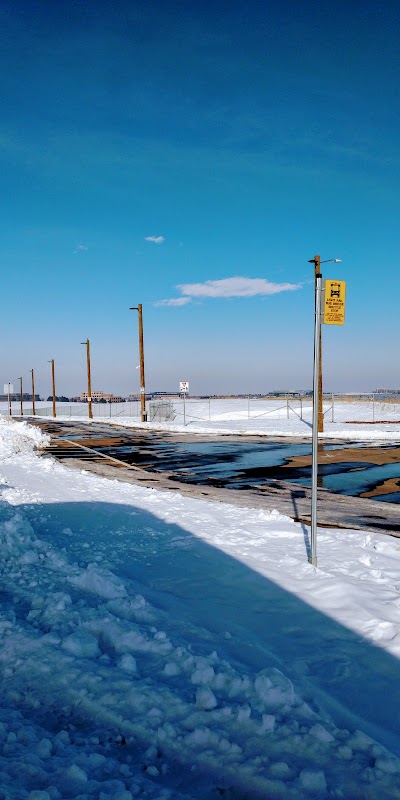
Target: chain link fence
[(357, 409)]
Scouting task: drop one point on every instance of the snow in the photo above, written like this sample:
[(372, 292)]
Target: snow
[(159, 646), (366, 419)]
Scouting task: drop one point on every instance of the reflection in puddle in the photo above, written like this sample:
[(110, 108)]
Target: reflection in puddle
[(238, 464)]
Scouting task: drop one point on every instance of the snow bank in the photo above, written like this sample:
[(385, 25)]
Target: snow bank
[(19, 438)]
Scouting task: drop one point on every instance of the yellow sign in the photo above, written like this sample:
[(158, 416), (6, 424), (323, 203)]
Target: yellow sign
[(334, 302)]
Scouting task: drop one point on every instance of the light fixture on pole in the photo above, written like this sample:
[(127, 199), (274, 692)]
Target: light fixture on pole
[(33, 393), (20, 397), (138, 308), (317, 271), (89, 380), (317, 393), (53, 385)]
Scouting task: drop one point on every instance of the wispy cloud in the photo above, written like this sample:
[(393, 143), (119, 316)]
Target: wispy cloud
[(228, 287), (175, 301), (155, 239), (81, 248), (236, 287)]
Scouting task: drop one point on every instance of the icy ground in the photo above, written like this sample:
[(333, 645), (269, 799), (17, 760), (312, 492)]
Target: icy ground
[(158, 646)]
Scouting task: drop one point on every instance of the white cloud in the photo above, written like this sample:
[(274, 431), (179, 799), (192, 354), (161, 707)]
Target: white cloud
[(236, 287), (175, 301), (81, 248), (155, 239)]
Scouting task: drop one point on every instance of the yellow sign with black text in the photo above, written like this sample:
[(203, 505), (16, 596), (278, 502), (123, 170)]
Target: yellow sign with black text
[(334, 302)]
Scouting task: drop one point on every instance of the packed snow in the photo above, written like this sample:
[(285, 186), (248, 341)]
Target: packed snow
[(160, 646)]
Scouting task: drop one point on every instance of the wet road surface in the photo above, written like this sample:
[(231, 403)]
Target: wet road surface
[(234, 462)]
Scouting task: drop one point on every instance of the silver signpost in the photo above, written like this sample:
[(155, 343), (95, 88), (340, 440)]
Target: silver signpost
[(334, 307), (314, 469), (9, 390), (184, 388)]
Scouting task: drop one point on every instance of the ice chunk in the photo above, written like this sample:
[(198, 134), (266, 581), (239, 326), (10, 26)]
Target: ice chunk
[(171, 669), (320, 733), (76, 773), (128, 663), (81, 644), (268, 723), (205, 698), (274, 688), (44, 748), (280, 770), (313, 781), (203, 675), (99, 581)]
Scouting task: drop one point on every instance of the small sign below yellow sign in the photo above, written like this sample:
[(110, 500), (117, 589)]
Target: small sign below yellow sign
[(334, 302)]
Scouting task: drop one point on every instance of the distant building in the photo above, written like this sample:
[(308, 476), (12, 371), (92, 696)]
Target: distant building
[(14, 396), (98, 397)]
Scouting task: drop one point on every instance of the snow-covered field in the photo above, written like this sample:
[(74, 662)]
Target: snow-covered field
[(158, 646), (356, 420)]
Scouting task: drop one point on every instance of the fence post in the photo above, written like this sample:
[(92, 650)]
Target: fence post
[(301, 408), (209, 409), (287, 407), (373, 408), (248, 407), (333, 408)]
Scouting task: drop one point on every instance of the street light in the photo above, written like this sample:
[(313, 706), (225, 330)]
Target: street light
[(317, 271), (33, 392), (89, 383), (138, 308), (20, 397), (53, 383), (317, 407)]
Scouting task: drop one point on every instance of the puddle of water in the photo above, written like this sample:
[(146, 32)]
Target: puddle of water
[(228, 463)]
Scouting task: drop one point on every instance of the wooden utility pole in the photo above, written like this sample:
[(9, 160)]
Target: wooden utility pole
[(33, 393), (89, 380), (138, 308), (53, 386), (20, 397)]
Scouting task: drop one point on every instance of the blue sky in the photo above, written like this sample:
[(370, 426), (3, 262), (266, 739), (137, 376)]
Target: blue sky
[(147, 146)]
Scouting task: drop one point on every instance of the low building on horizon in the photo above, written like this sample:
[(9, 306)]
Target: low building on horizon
[(101, 397)]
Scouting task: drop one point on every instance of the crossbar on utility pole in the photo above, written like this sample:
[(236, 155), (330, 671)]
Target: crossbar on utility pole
[(138, 308), (33, 393)]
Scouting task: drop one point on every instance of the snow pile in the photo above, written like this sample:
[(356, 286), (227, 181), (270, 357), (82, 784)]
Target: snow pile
[(144, 658), (19, 438)]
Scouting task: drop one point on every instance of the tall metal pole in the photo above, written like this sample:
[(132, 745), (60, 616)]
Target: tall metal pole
[(9, 400), (33, 393), (89, 380), (314, 470), (138, 308), (317, 271), (53, 385), (20, 397)]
